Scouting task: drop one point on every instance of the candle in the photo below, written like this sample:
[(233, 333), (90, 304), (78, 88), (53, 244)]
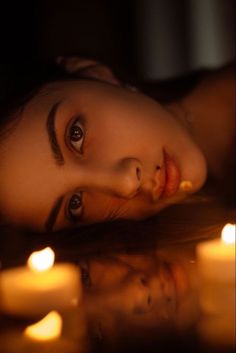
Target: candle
[(46, 329), (216, 258), (216, 264), (40, 287), (54, 333)]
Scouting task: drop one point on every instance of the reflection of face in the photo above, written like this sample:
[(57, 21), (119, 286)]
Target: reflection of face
[(140, 290), (111, 154)]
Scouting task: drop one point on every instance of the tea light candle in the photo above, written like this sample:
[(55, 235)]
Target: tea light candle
[(216, 264), (216, 258), (40, 287), (53, 333), (48, 328)]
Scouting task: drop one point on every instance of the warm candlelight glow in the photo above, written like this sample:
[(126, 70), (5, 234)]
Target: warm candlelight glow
[(46, 329), (41, 260), (216, 266), (228, 233), (186, 185)]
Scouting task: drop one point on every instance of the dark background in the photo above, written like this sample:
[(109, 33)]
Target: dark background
[(38, 31), (144, 39)]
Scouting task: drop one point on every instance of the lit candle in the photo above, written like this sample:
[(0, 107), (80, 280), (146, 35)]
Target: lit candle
[(216, 258), (53, 333), (216, 264), (40, 287), (46, 329)]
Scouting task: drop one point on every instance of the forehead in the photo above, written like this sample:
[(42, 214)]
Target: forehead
[(23, 153), (27, 166)]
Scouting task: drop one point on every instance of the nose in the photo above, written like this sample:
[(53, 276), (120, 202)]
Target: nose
[(127, 178), (122, 178)]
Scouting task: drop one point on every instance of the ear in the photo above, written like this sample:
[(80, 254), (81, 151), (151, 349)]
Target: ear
[(87, 68)]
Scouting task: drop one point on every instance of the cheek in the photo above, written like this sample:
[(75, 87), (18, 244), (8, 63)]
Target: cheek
[(112, 208), (119, 119), (119, 139), (95, 213)]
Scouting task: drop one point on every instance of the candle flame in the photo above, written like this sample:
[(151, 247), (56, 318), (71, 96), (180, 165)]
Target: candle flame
[(46, 329), (41, 260), (228, 233)]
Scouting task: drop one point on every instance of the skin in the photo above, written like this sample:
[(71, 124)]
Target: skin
[(114, 167), (135, 288)]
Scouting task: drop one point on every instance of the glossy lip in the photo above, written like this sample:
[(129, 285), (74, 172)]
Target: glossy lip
[(160, 179), (172, 175), (168, 179)]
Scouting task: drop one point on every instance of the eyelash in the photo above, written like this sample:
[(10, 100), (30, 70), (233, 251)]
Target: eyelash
[(75, 198), (79, 134)]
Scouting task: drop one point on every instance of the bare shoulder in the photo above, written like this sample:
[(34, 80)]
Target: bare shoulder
[(222, 83), (212, 106), (215, 93)]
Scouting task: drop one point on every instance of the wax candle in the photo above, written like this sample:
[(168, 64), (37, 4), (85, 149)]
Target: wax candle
[(53, 333), (216, 258), (40, 287), (216, 265), (46, 329)]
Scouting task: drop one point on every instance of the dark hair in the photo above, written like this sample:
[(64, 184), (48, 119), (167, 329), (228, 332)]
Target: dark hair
[(196, 219), (21, 85)]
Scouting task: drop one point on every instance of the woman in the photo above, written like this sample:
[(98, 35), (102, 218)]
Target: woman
[(89, 150)]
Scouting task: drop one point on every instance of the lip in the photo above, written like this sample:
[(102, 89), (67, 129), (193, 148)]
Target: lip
[(172, 175), (168, 178)]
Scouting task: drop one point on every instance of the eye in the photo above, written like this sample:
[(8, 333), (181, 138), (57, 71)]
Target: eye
[(75, 206), (76, 134)]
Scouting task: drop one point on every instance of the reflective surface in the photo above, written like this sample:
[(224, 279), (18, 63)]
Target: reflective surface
[(139, 292)]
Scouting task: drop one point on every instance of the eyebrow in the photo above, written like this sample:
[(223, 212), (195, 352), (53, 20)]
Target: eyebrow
[(53, 214), (50, 124)]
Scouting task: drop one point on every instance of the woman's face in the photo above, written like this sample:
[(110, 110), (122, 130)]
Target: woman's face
[(144, 291), (84, 152)]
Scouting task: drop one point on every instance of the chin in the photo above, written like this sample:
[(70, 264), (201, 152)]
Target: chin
[(196, 173), (200, 179)]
